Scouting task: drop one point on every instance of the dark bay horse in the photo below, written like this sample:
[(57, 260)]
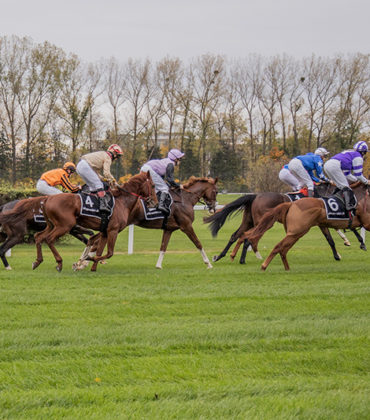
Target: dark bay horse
[(299, 216), (254, 206), (17, 220), (181, 217), (62, 212)]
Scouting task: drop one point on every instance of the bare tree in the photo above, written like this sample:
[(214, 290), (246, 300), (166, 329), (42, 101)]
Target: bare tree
[(74, 101), (207, 93), (115, 90), (13, 59)]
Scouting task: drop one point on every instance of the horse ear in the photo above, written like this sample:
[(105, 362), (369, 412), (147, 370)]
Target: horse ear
[(216, 179), (148, 175)]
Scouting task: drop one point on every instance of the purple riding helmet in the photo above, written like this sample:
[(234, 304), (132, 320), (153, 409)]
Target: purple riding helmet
[(174, 154)]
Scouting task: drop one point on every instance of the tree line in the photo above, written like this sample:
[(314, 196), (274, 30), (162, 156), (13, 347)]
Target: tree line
[(229, 116)]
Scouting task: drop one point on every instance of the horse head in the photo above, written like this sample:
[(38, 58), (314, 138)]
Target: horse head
[(205, 189)]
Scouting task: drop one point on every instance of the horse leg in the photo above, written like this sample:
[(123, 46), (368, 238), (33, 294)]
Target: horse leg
[(344, 237), (88, 253), (360, 239), (9, 243), (236, 247), (189, 231), (98, 251), (232, 239), (165, 240), (110, 239), (39, 238), (282, 248), (330, 240)]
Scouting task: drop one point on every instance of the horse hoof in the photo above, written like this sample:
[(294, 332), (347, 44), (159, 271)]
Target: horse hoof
[(35, 265), (214, 258), (158, 267), (59, 268), (263, 268), (347, 243), (338, 257), (8, 268), (363, 247), (209, 266), (242, 262)]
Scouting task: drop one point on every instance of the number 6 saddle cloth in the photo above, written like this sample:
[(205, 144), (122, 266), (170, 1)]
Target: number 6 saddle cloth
[(335, 208)]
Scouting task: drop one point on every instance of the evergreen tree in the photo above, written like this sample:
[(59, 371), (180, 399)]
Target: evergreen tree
[(225, 163)]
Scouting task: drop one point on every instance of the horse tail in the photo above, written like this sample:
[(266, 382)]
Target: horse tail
[(277, 214), (218, 219), (19, 212)]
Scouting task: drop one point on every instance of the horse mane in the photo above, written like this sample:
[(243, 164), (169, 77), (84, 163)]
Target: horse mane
[(193, 179), (132, 185)]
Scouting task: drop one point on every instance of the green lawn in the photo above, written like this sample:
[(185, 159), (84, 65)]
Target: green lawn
[(130, 341)]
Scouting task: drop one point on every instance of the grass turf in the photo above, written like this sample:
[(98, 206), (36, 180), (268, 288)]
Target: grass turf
[(134, 342)]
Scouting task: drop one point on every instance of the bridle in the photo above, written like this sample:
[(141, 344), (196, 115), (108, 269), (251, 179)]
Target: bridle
[(202, 200), (146, 199)]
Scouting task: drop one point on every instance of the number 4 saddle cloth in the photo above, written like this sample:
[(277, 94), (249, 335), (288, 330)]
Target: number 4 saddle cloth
[(335, 208), (90, 205)]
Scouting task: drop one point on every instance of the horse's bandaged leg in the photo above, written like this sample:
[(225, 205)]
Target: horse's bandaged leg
[(205, 258), (160, 259)]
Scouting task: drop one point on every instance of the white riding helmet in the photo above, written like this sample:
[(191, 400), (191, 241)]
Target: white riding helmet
[(321, 151), (174, 154)]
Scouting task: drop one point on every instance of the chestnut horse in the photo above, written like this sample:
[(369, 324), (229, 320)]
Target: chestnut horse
[(62, 212), (299, 216), (254, 206), (17, 220), (181, 217)]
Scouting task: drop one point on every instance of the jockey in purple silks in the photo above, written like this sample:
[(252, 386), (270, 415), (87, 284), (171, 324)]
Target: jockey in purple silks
[(162, 170), (347, 166)]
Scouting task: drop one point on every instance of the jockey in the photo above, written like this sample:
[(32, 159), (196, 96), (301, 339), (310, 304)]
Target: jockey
[(60, 176), (89, 167), (288, 178), (303, 166), (339, 168), (162, 170)]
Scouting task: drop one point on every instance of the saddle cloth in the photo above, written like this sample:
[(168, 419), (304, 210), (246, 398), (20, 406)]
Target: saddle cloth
[(154, 213), (294, 196), (39, 218), (335, 208), (90, 205)]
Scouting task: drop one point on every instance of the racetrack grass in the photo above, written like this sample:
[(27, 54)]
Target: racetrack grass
[(185, 342)]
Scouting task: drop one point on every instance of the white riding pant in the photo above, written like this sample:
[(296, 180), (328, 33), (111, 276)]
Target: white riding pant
[(159, 183), (45, 189), (334, 172), (288, 178), (297, 169), (89, 176)]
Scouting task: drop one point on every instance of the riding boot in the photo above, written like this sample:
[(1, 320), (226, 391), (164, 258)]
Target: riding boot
[(104, 211), (162, 202), (310, 193), (349, 199)]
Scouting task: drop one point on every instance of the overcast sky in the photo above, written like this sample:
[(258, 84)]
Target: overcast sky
[(188, 28)]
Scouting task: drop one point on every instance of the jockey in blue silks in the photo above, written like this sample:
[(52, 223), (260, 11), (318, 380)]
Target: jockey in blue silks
[(304, 166), (162, 170)]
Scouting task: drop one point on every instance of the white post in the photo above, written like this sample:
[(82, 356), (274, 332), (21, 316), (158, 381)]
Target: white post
[(8, 253), (130, 239)]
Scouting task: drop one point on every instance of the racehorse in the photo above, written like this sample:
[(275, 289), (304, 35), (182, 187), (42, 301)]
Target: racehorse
[(17, 219), (181, 217), (254, 206), (62, 212), (299, 216)]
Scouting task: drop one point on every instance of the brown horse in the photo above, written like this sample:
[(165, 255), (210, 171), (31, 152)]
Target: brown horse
[(254, 206), (299, 216), (181, 217), (62, 212), (17, 219)]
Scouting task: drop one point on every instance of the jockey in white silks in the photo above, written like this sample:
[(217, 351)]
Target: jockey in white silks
[(289, 179), (162, 170)]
